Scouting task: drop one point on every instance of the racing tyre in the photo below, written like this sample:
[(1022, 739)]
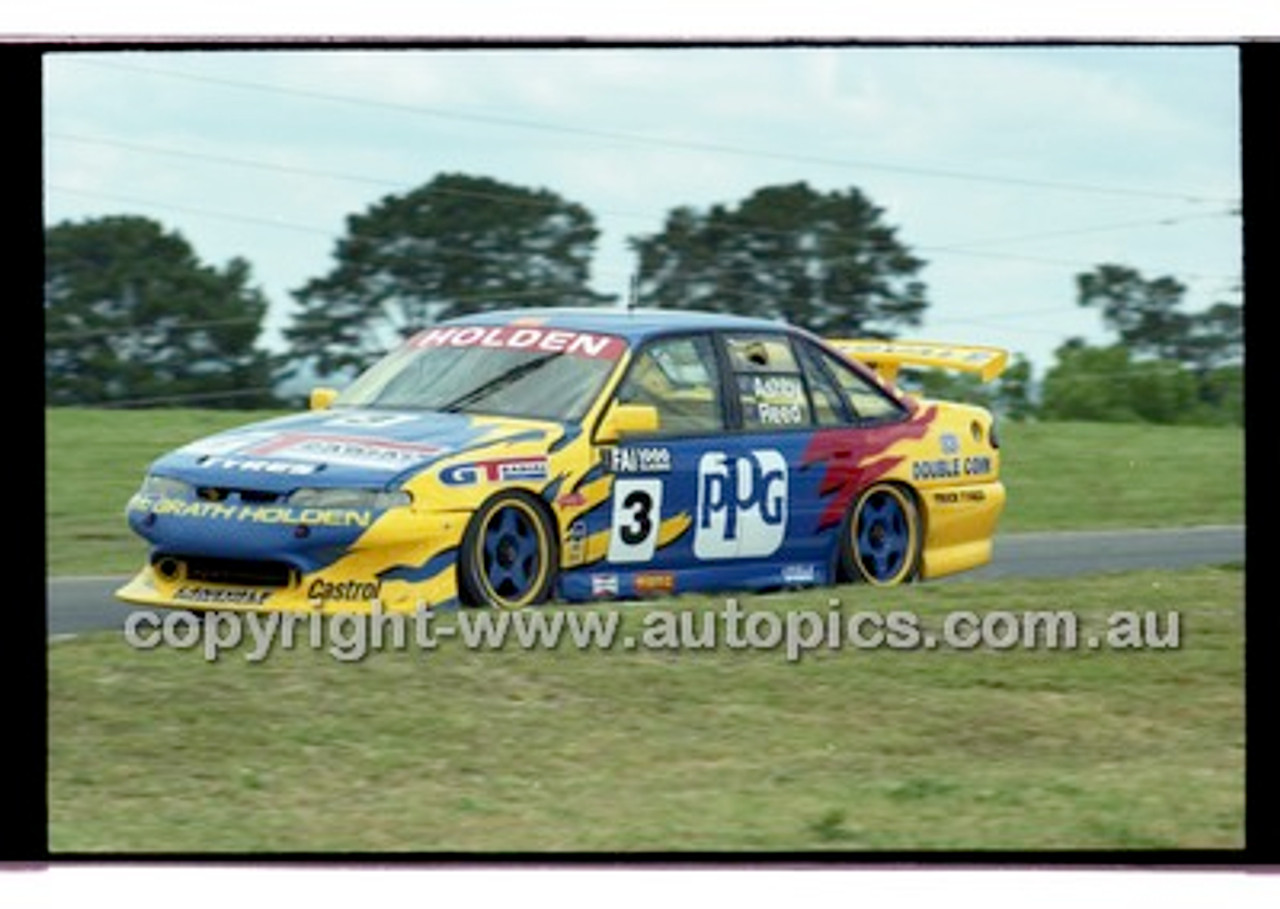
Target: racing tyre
[(508, 557), (881, 540)]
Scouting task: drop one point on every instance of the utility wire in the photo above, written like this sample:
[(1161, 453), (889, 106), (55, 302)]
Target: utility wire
[(294, 170), (513, 199), (463, 252), (192, 210), (655, 141), (1077, 231), (470, 253)]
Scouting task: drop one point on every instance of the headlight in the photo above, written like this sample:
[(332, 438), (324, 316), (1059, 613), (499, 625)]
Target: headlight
[(154, 487), (376, 499)]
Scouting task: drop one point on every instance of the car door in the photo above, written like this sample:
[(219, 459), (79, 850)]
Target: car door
[(765, 517), (709, 499), (655, 476)]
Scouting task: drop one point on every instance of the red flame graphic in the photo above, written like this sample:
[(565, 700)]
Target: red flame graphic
[(846, 454)]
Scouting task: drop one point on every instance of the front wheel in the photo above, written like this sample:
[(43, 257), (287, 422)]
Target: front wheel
[(508, 556), (881, 540)]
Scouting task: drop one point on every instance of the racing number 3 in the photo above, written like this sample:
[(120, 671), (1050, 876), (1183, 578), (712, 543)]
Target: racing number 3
[(637, 514), (640, 502)]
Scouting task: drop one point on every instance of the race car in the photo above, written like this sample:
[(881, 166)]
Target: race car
[(510, 458)]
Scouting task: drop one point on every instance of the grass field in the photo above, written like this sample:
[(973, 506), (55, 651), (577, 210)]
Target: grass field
[(1059, 475), (713, 750), (1073, 476), (705, 751)]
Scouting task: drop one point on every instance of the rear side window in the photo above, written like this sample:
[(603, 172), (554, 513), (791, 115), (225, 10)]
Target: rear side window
[(867, 400), (829, 408), (768, 382)]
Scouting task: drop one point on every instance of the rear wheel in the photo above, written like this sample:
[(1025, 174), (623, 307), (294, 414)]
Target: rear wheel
[(508, 556), (881, 541)]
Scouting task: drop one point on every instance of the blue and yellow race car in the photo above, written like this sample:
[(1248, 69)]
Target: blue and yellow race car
[(508, 458)]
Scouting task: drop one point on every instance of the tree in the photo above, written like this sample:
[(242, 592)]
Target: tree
[(1109, 384), (454, 246), (131, 314), (1009, 396), (1222, 391), (1087, 383), (1169, 365), (1143, 313), (1013, 390), (1146, 316), (1214, 338), (825, 261)]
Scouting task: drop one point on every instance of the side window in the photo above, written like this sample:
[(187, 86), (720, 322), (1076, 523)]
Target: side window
[(867, 399), (767, 381), (678, 377), (828, 405)]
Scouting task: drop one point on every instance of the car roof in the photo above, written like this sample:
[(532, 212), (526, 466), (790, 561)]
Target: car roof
[(632, 324)]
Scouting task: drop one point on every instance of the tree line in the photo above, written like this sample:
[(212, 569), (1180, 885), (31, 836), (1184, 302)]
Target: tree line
[(133, 317)]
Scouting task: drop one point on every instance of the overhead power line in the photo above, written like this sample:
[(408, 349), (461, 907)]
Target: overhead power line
[(958, 250), (524, 200), (660, 141), (291, 169), (1093, 229), (521, 199), (192, 210), (464, 252)]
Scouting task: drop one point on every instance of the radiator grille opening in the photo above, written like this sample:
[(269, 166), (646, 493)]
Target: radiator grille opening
[(244, 572), (225, 493)]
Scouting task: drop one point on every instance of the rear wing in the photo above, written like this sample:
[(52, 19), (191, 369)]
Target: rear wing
[(886, 357)]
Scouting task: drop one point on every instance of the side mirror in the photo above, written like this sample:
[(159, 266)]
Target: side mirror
[(321, 398), (627, 420)]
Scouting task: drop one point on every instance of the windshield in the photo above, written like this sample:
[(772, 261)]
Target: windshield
[(514, 371)]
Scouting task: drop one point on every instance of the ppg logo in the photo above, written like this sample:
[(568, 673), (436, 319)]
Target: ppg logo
[(742, 505)]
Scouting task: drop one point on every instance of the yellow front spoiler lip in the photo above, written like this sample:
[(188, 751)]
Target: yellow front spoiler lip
[(147, 588)]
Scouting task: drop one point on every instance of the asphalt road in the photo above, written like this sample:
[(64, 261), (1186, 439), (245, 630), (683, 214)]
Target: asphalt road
[(1031, 555), (87, 604)]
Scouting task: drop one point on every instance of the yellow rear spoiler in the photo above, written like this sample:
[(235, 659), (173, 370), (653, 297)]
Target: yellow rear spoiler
[(886, 357)]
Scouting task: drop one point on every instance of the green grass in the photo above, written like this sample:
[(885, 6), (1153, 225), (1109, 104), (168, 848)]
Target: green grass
[(1070, 476), (1059, 475), (709, 750)]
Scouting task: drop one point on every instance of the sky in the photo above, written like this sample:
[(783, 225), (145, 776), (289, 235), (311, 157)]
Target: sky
[(1008, 169)]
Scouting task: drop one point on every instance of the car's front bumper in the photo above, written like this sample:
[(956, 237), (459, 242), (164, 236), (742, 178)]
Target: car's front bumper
[(401, 561)]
